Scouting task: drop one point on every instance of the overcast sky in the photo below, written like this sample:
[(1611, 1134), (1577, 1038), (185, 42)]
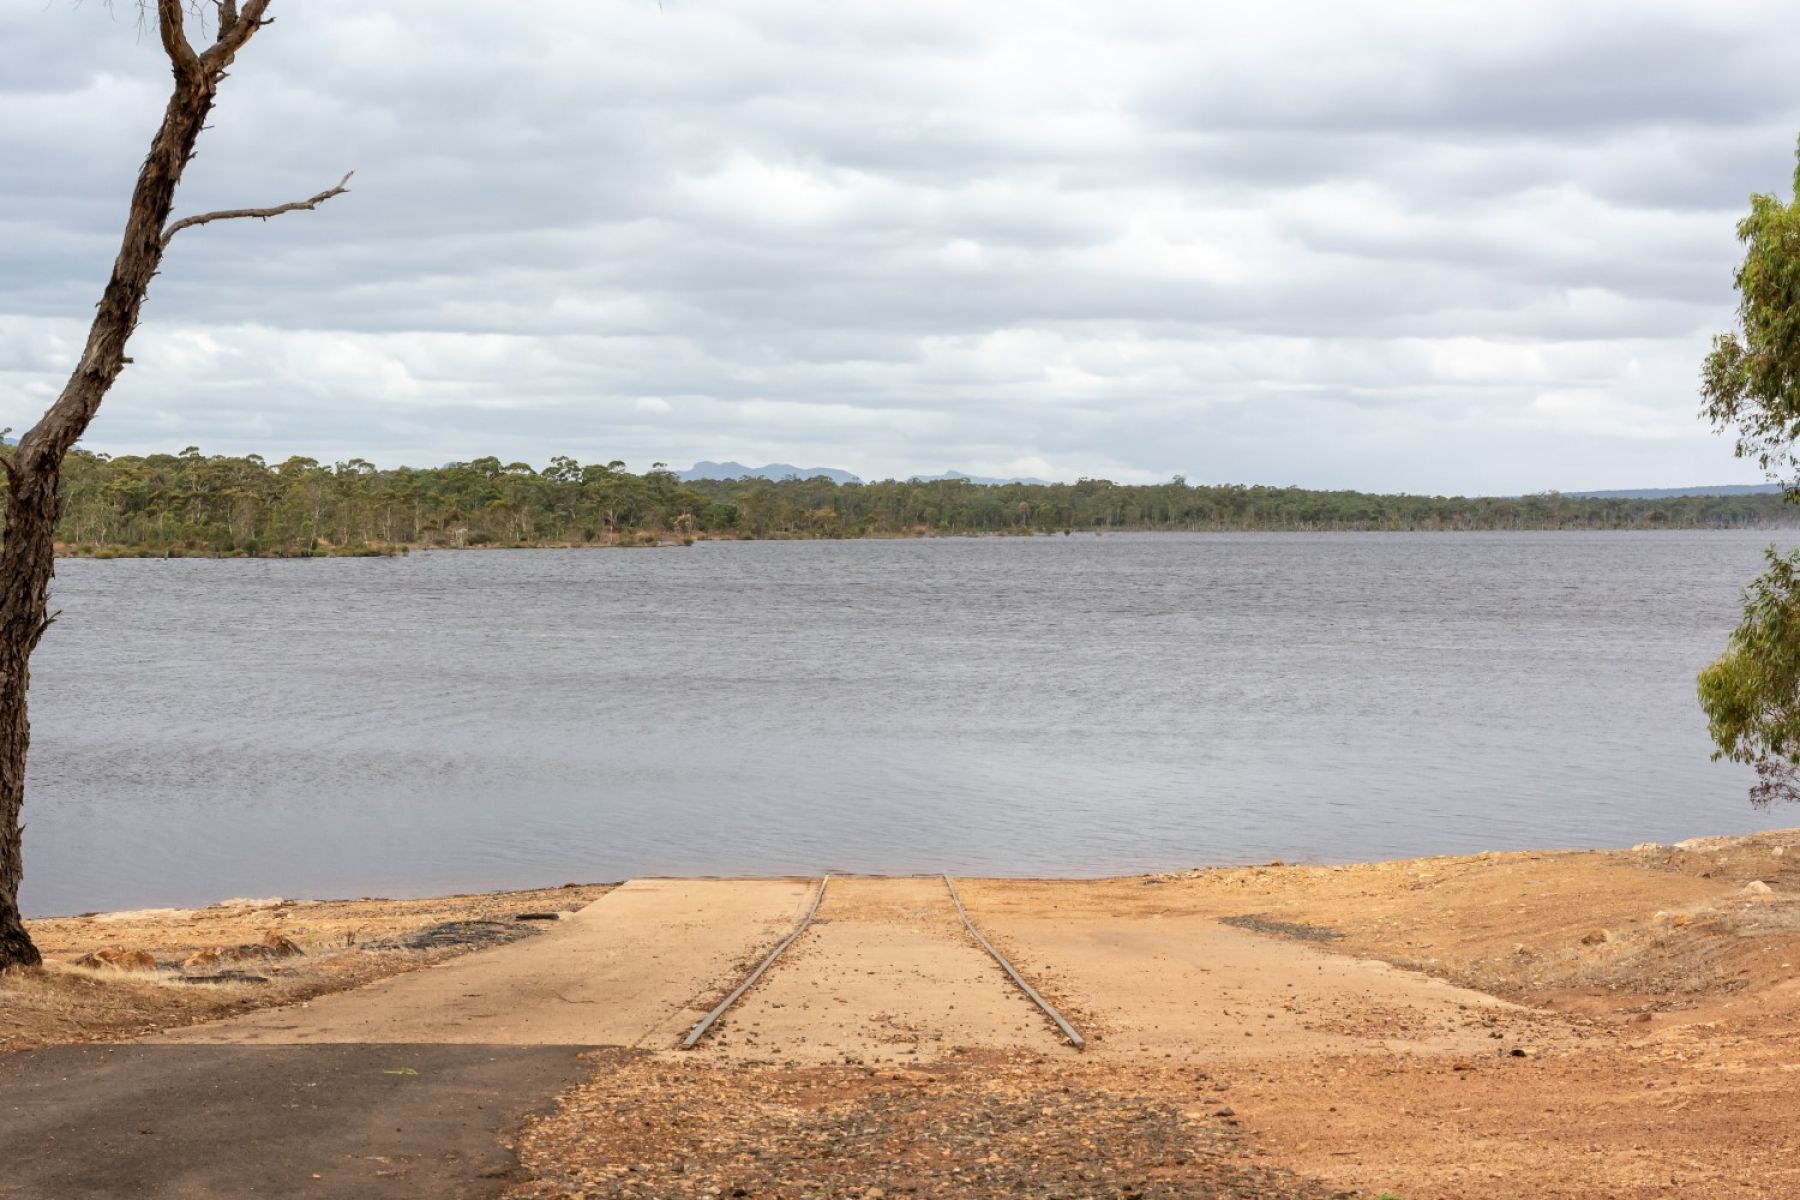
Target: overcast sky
[(1429, 247)]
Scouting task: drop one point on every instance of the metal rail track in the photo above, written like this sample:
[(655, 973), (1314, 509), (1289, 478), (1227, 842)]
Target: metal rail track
[(706, 1022), (1068, 1030)]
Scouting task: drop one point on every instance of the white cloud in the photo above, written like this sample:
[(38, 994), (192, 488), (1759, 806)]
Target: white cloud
[(1415, 245)]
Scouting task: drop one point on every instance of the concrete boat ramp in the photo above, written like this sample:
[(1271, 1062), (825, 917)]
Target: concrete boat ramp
[(409, 1086)]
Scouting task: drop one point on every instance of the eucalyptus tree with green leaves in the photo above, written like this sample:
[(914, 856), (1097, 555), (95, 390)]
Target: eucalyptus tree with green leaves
[(1752, 377), (1751, 694)]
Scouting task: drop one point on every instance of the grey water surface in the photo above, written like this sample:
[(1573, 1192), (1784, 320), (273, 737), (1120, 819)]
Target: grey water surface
[(468, 720)]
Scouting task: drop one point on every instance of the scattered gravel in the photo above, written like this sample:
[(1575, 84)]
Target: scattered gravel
[(466, 933), (653, 1126), (1289, 929)]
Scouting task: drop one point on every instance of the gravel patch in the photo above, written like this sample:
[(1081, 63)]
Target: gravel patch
[(467, 933), (1287, 929), (653, 1126)]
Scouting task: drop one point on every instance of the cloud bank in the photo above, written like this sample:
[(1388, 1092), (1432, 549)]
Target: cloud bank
[(1423, 247)]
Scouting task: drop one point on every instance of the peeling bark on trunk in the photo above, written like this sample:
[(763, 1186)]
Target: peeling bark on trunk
[(33, 501)]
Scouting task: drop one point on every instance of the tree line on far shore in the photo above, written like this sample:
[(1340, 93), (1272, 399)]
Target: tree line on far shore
[(191, 503)]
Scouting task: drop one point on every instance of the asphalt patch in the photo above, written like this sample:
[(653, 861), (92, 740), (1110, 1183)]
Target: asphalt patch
[(343, 1122)]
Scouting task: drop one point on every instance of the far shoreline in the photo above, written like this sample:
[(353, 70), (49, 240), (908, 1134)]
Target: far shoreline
[(107, 553)]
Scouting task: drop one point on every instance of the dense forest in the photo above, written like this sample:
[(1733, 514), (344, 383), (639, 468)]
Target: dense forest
[(190, 503)]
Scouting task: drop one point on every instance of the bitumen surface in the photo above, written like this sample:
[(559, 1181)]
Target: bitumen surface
[(335, 1122), (400, 1089)]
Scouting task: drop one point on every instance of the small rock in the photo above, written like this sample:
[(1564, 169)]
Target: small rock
[(280, 945), (1596, 937), (1522, 1052), (1642, 1019), (1226, 1111), (1757, 887), (117, 958), (1648, 847), (204, 958)]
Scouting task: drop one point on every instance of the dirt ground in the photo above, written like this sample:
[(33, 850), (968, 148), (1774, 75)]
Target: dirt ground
[(978, 1124), (885, 974), (1677, 987), (1597, 1025), (346, 943), (632, 968)]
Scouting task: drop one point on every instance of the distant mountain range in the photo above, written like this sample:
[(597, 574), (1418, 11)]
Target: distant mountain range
[(1723, 489), (737, 470), (989, 479)]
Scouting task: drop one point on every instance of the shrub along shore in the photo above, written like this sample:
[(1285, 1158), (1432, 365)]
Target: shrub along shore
[(220, 505)]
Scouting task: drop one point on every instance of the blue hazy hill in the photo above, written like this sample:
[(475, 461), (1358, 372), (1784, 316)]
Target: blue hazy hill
[(737, 470), (987, 479), (1723, 489)]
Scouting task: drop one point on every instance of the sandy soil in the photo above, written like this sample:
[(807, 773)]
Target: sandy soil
[(347, 943), (1621, 1024), (885, 974), (1677, 989), (1618, 1024), (631, 968)]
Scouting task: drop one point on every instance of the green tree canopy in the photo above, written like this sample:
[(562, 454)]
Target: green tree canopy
[(193, 503), (1751, 381), (1752, 376), (1751, 693)]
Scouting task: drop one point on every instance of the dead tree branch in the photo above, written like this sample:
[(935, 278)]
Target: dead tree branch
[(170, 23), (261, 214)]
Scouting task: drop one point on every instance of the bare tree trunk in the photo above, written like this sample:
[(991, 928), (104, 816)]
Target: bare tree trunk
[(33, 501)]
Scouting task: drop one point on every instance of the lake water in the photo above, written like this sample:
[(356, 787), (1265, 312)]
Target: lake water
[(460, 721)]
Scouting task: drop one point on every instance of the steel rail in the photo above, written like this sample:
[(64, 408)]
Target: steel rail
[(699, 1030), (1075, 1039)]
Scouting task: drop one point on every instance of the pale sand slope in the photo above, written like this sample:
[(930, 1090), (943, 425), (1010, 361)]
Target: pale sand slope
[(636, 966), (887, 974), (1145, 980)]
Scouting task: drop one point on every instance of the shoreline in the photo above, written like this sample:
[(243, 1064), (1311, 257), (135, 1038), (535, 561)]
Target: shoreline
[(405, 897), (1599, 1023), (172, 935), (668, 541)]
